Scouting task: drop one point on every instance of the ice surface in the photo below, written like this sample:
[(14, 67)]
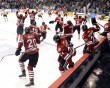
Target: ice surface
[(46, 71)]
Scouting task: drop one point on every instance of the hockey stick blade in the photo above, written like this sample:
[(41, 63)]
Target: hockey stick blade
[(6, 56)]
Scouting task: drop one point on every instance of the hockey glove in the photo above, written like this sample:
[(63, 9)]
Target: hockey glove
[(104, 34), (17, 52), (71, 65), (51, 22)]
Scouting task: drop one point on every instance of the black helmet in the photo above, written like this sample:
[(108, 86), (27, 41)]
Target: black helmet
[(43, 23), (80, 17), (56, 38), (84, 27), (59, 15), (32, 11), (27, 30), (34, 22), (21, 15), (69, 22)]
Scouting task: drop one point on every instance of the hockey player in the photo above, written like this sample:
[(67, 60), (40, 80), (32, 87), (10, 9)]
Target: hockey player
[(40, 14), (34, 28), (32, 15), (78, 23), (30, 41), (4, 14), (106, 28), (20, 23), (49, 12), (43, 28), (68, 30), (65, 12), (89, 38), (59, 24), (66, 52)]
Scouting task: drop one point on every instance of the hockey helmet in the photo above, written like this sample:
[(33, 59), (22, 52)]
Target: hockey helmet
[(27, 30), (43, 23), (80, 17), (84, 27), (34, 22), (59, 15), (32, 11), (69, 22), (21, 15), (56, 38)]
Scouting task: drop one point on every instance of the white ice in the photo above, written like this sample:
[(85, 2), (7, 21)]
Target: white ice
[(46, 71)]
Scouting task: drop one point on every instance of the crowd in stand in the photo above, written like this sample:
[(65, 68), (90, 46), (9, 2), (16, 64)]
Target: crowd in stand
[(100, 6)]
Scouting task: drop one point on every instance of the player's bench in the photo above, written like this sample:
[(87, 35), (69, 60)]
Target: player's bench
[(72, 77)]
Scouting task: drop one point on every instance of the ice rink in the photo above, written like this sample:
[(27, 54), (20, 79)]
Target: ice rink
[(46, 71)]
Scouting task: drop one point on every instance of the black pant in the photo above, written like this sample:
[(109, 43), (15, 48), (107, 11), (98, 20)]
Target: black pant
[(33, 58), (20, 30), (58, 26)]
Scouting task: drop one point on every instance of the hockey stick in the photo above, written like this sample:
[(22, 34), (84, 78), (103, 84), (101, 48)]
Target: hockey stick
[(6, 56), (14, 54), (79, 45), (101, 25), (44, 42), (49, 44)]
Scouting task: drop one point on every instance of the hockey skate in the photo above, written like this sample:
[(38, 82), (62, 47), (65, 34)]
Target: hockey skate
[(23, 74), (31, 83)]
